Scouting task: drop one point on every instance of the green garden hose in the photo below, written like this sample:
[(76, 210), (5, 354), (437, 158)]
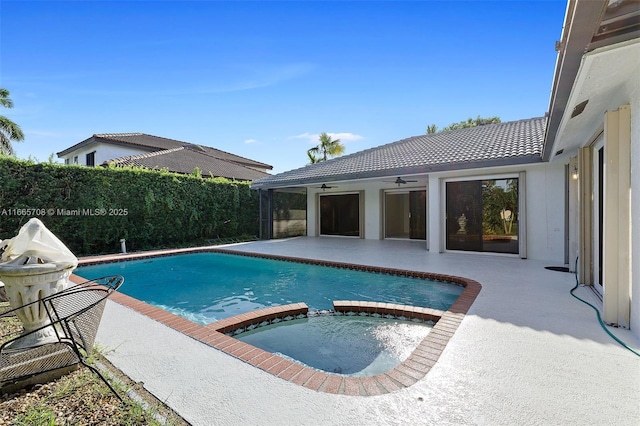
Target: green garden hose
[(602, 324)]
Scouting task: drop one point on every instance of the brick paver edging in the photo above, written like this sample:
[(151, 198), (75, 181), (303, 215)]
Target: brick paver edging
[(414, 368)]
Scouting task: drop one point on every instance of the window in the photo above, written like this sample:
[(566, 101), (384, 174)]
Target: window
[(91, 159), (482, 215), (75, 159), (66, 161)]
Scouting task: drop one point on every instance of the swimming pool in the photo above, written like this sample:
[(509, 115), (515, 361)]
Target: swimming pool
[(207, 287), (223, 334)]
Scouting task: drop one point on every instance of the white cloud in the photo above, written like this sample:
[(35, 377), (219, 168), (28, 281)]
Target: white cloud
[(250, 141), (259, 76), (234, 78), (346, 137), (313, 137)]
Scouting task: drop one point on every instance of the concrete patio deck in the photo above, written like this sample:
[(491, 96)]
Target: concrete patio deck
[(527, 353)]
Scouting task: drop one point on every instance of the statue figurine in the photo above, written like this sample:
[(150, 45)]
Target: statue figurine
[(462, 223)]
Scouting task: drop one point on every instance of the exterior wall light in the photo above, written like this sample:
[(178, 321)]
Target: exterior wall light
[(574, 173)]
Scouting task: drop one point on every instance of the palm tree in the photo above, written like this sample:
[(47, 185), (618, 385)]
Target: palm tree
[(312, 156), (326, 148), (9, 131)]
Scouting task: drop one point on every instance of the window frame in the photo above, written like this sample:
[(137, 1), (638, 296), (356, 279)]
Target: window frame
[(91, 155), (522, 217)]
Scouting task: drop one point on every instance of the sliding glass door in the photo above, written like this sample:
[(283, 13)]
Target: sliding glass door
[(464, 215), (418, 215), (340, 215), (482, 215), (405, 214)]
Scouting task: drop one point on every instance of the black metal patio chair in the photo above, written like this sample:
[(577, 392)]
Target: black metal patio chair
[(74, 316)]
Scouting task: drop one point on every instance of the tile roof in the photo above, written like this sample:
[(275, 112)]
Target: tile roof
[(185, 159), (155, 143), (508, 143), (140, 139)]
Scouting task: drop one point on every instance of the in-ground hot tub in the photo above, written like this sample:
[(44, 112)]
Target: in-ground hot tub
[(350, 345)]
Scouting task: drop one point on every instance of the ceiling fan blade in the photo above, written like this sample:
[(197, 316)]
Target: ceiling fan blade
[(399, 181), (324, 186)]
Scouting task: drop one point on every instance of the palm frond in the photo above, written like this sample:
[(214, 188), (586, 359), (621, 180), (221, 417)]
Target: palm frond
[(4, 98), (10, 129)]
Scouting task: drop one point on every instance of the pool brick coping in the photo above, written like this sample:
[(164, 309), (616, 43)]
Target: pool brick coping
[(414, 368)]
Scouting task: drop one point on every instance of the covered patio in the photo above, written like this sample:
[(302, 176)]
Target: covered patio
[(527, 352)]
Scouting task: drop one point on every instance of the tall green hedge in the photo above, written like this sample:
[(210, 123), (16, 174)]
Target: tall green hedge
[(91, 209)]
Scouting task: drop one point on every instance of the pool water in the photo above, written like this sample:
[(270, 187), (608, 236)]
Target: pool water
[(207, 287), (353, 346)]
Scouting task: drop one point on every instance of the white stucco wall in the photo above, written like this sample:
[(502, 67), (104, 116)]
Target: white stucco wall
[(546, 212), (311, 213), (103, 152), (574, 216)]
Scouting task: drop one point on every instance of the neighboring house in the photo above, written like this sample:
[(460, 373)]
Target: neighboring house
[(153, 152), (555, 189)]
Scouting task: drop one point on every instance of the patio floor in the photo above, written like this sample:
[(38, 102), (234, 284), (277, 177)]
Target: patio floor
[(527, 352)]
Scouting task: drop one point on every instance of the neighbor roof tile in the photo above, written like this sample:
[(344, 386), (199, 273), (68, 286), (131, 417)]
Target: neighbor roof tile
[(186, 159)]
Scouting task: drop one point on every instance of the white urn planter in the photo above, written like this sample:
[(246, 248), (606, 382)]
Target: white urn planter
[(35, 264), (28, 283)]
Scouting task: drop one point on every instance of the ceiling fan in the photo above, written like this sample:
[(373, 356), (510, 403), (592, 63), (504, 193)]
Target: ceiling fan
[(399, 181), (325, 186)]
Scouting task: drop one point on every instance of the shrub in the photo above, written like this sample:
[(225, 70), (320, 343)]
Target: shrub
[(91, 209)]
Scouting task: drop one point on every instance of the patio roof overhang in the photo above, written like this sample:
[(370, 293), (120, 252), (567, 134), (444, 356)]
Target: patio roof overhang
[(391, 173)]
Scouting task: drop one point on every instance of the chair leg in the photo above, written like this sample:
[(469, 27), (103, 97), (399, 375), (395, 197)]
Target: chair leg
[(97, 372)]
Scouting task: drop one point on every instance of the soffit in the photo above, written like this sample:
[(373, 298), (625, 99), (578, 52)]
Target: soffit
[(606, 79)]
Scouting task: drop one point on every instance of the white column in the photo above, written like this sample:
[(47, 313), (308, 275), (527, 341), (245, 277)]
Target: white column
[(617, 229)]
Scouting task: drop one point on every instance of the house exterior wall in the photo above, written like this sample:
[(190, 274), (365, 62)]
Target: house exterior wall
[(372, 206), (312, 213), (372, 212), (626, 93), (104, 152), (574, 214), (545, 201), (546, 212)]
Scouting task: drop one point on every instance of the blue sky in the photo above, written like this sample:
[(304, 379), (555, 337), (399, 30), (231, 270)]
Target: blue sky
[(263, 79)]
